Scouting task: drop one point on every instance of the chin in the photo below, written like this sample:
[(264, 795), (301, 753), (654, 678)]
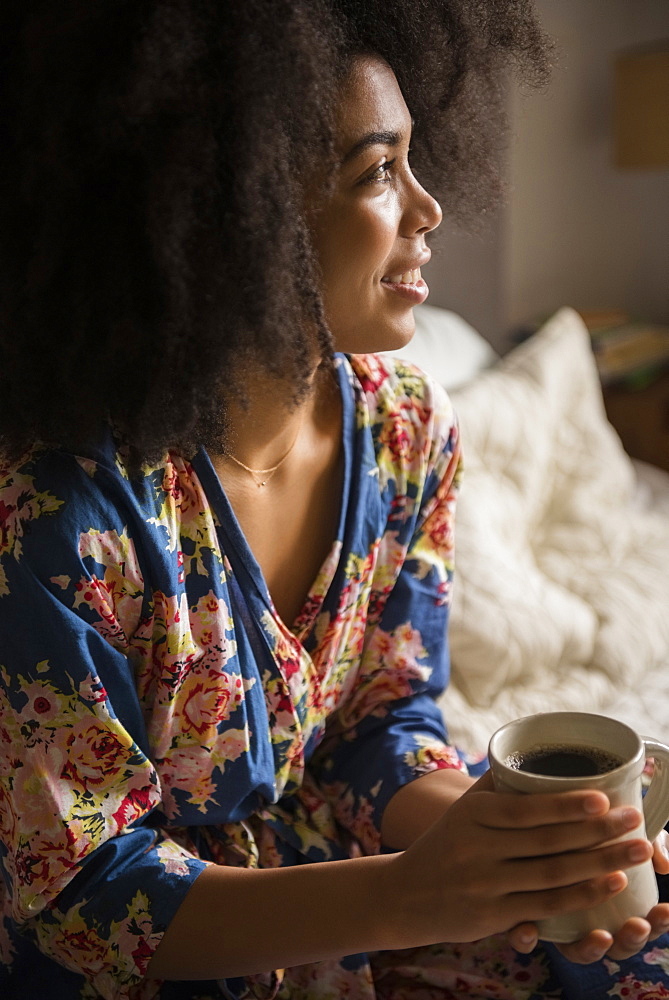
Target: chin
[(377, 336)]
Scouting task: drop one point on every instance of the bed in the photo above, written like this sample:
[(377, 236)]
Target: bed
[(561, 596)]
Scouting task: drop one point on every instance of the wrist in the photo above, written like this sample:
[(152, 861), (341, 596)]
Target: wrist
[(417, 805)]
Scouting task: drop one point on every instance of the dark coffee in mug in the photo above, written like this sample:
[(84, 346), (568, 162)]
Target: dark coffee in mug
[(565, 760), (575, 750)]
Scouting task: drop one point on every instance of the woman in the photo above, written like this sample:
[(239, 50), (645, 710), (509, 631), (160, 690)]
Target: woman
[(227, 560)]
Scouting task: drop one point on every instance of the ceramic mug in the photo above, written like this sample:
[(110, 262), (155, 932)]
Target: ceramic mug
[(559, 741)]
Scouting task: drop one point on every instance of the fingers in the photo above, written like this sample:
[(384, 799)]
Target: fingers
[(636, 933), (544, 841), (534, 906), (632, 937), (629, 940), (576, 838), (548, 854), (524, 938), (501, 811), (572, 867), (589, 949), (661, 854), (658, 919)]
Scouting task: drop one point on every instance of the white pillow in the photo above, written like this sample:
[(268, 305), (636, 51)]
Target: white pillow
[(446, 347), (562, 587)]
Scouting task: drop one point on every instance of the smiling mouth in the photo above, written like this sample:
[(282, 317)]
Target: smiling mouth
[(407, 278)]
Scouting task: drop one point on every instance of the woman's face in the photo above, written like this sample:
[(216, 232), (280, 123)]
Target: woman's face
[(369, 235)]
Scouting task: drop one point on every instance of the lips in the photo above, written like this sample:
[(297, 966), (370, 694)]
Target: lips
[(410, 270), (408, 287)]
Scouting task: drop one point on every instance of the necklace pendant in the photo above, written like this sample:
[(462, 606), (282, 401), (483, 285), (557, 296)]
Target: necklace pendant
[(254, 473)]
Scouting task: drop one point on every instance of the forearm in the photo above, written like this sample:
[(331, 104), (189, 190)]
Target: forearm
[(237, 922), (419, 804)]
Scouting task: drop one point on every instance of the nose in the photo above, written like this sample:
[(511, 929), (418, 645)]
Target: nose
[(422, 212)]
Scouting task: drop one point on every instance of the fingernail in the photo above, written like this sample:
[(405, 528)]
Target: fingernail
[(638, 852), (631, 818), (595, 805), (616, 881)]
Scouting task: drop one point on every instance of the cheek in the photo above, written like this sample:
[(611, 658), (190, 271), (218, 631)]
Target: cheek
[(377, 230), (361, 244)]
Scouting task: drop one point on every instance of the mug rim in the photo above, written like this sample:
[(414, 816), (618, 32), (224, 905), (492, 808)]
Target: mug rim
[(630, 762)]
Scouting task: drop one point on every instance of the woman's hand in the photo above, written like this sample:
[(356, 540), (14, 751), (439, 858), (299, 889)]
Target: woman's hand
[(631, 938), (497, 863)]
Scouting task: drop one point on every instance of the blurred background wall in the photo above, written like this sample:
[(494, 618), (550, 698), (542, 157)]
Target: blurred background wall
[(575, 229)]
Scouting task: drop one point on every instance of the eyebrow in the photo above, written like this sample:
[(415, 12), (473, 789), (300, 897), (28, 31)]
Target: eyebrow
[(371, 139)]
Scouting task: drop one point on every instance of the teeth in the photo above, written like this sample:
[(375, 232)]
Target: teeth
[(408, 278)]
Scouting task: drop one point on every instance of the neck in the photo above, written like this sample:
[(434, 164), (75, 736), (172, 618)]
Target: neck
[(262, 431)]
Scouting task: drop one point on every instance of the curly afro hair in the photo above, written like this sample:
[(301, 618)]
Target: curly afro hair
[(155, 153)]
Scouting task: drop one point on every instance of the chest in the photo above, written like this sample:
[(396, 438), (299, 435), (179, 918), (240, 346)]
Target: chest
[(290, 523), (290, 531)]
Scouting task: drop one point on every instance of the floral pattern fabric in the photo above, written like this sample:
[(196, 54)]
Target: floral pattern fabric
[(157, 715)]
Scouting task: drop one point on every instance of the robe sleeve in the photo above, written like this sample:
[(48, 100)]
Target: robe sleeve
[(391, 729), (87, 875)]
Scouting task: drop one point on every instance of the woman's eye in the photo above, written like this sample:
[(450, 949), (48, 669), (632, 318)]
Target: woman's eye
[(382, 173)]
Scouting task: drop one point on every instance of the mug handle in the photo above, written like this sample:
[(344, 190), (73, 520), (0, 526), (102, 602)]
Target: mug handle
[(656, 799)]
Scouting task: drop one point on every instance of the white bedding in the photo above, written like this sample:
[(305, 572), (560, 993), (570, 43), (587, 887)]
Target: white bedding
[(561, 597)]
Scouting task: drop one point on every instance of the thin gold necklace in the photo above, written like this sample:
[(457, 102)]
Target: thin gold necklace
[(261, 477)]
